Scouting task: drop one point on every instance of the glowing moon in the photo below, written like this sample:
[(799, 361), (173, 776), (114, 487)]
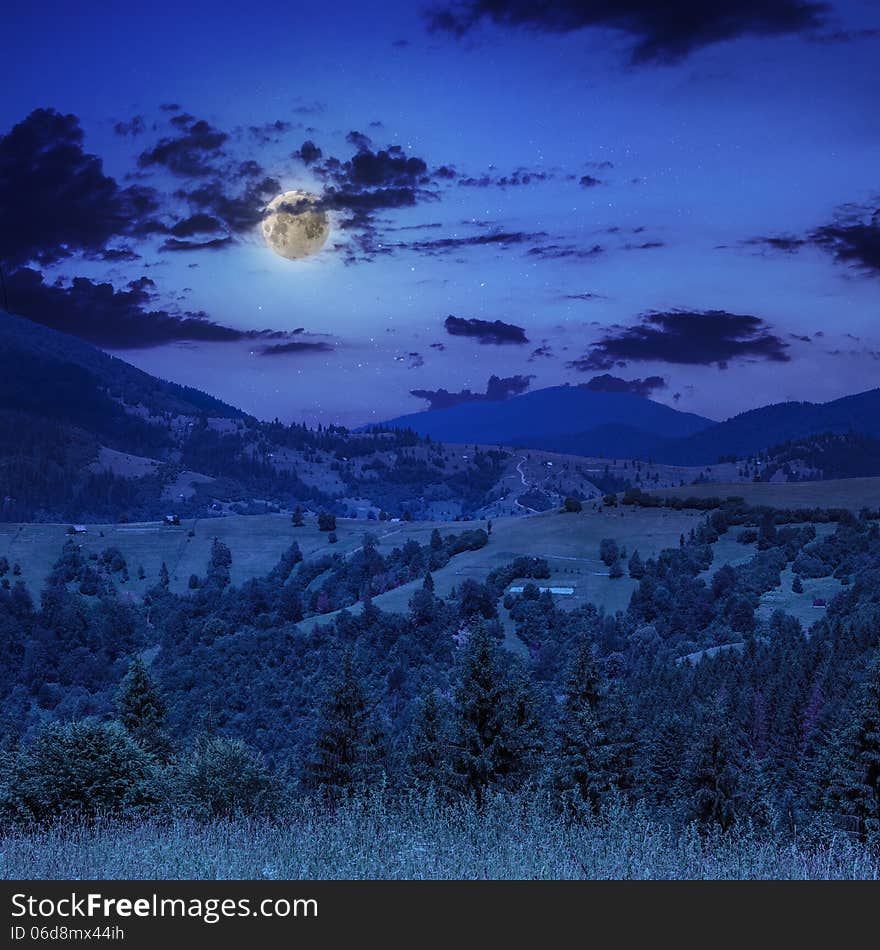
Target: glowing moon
[(295, 226)]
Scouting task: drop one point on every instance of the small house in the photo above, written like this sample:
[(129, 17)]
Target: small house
[(820, 602), (80, 529), (171, 519)]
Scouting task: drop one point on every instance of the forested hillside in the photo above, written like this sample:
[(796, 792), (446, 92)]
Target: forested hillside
[(691, 701)]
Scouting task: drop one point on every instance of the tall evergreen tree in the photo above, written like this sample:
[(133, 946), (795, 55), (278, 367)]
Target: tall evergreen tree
[(856, 788), (578, 767), (484, 741), (142, 710), (429, 759), (714, 778), (348, 743)]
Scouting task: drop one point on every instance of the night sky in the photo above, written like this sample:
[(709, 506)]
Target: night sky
[(682, 203)]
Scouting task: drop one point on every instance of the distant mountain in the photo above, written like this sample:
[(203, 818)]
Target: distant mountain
[(759, 429), (576, 421), (596, 423)]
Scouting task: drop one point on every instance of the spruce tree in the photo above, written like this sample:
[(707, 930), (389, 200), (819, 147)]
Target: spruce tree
[(714, 779), (142, 710), (578, 767), (858, 784), (483, 736), (347, 755), (636, 566), (429, 761)]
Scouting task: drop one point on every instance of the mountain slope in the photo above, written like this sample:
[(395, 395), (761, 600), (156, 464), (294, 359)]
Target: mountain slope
[(575, 421), (759, 429), (555, 413), (44, 350)]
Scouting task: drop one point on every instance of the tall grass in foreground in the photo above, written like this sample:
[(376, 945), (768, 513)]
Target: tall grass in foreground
[(510, 838)]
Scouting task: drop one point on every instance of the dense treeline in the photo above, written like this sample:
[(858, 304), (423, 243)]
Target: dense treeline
[(690, 702)]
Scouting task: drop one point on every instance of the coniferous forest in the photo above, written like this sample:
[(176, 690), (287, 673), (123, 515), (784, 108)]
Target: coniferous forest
[(213, 714)]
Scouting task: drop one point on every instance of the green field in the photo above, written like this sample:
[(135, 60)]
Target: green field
[(570, 544), (256, 543), (854, 493)]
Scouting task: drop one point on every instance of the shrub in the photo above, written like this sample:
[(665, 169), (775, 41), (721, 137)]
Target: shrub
[(326, 521), (84, 767), (222, 778)]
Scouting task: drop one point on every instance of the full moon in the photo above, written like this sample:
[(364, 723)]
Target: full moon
[(294, 226)]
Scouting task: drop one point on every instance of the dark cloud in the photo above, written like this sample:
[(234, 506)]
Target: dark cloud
[(853, 240), (541, 352), (170, 107), (644, 246), (134, 126), (783, 242), (56, 199), (561, 251), (712, 337), (191, 153), (310, 108), (369, 182), (359, 140), (614, 384), (518, 178), (585, 296), (587, 181), (195, 224), (126, 319), (119, 254), (239, 212), (297, 346), (497, 390), (308, 152), (209, 244), (494, 332), (270, 131), (495, 239), (658, 32)]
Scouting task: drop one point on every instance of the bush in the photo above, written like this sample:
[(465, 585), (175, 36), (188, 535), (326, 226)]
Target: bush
[(572, 505), (223, 778), (86, 768), (608, 551), (326, 521)]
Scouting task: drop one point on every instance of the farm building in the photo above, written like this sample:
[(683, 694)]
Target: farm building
[(552, 590), (171, 519), (820, 602)]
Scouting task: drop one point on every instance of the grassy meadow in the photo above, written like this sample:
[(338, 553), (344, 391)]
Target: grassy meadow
[(516, 838)]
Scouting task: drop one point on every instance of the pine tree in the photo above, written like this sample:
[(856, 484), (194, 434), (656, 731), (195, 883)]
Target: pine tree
[(578, 767), (296, 519), (142, 710), (859, 789), (483, 734), (636, 566), (429, 754), (714, 778), (164, 578), (348, 744)]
